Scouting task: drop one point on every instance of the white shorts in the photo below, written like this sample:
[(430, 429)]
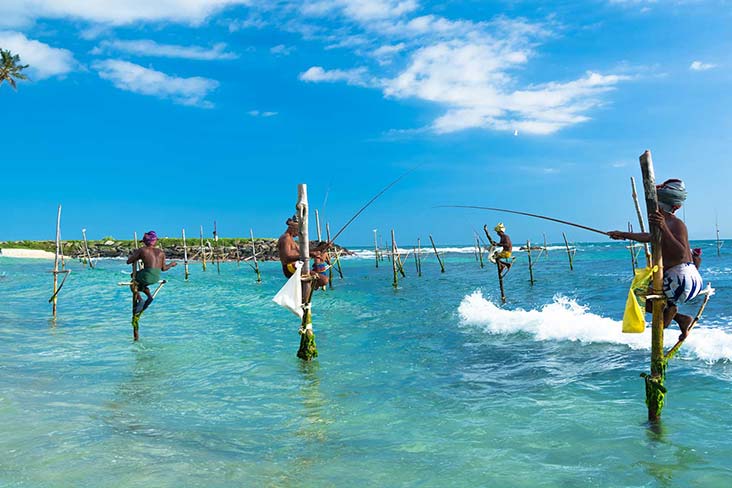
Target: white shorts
[(682, 283)]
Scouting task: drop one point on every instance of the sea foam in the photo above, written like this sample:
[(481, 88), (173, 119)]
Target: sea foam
[(565, 319)]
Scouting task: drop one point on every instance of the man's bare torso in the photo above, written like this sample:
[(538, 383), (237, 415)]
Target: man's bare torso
[(151, 257), (671, 254)]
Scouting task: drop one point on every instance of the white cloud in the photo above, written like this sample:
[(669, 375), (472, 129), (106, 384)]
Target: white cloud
[(317, 74), (699, 66), (360, 10), (258, 113), (45, 61), (138, 79), (281, 50), (145, 47), (116, 12)]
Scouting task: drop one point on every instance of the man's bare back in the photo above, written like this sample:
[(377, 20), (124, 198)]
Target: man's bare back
[(151, 257)]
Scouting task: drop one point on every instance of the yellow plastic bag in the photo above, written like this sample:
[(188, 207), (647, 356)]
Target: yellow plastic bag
[(634, 317)]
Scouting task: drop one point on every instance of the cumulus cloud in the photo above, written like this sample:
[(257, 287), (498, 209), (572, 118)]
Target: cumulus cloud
[(281, 50), (145, 47), (699, 66), (360, 10), (117, 12), (138, 79), (259, 113), (315, 74), (45, 61)]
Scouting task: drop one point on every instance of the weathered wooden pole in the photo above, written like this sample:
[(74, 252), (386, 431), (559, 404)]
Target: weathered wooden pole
[(439, 260), (569, 253), (480, 251), (337, 256), (642, 225), (317, 225), (236, 252), (86, 249), (419, 257), (500, 281), (254, 257), (185, 255), (531, 266), (719, 243), (394, 283), (546, 249), (203, 251), (308, 349), (633, 262), (216, 249), (376, 249), (55, 261), (134, 290), (655, 390)]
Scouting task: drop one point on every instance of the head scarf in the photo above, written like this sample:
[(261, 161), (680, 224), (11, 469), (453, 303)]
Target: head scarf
[(500, 227), (292, 220), (150, 238), (671, 194)]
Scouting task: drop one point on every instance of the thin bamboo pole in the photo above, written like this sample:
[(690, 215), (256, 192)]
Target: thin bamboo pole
[(376, 249), (632, 246), (203, 251), (317, 225), (719, 243), (236, 252), (55, 260), (569, 253), (480, 251), (394, 283), (254, 257), (134, 290), (546, 249), (531, 266), (86, 249), (337, 255), (500, 282), (419, 258), (655, 390), (185, 256), (641, 223), (215, 252), (439, 259), (308, 349)]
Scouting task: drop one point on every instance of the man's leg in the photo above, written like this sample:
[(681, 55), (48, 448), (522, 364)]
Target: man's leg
[(149, 298), (684, 322)]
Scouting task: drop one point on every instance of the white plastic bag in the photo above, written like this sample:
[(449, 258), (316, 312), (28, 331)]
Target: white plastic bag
[(290, 295)]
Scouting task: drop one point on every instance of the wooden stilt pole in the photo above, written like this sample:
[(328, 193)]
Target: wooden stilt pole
[(86, 249), (215, 252), (719, 243), (394, 283), (569, 253), (185, 256), (480, 251), (56, 261), (439, 259), (134, 290), (376, 249), (546, 249), (531, 266), (254, 257), (308, 349), (500, 282), (633, 262), (419, 258), (203, 251), (337, 257), (236, 252), (641, 223), (655, 390)]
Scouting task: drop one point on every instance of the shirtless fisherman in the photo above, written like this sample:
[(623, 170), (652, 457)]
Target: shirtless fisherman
[(681, 279), (502, 256), (154, 261), (289, 253)]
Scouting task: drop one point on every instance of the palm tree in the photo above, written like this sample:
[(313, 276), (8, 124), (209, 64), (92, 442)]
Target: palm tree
[(10, 70)]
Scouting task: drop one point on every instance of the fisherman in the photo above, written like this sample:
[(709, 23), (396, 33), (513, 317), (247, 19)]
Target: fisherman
[(154, 261), (681, 279), (502, 256), (289, 253)]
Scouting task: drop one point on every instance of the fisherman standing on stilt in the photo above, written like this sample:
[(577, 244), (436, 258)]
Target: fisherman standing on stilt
[(289, 253), (681, 279)]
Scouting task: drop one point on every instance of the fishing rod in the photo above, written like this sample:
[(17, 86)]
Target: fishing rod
[(369, 203), (528, 215)]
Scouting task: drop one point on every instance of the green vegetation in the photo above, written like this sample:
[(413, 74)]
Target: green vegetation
[(10, 68), (164, 242)]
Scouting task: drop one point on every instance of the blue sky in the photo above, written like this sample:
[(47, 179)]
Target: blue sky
[(162, 115)]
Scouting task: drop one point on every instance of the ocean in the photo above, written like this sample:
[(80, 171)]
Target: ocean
[(435, 383)]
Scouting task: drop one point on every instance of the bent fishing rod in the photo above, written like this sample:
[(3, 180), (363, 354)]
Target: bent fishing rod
[(528, 215), (369, 203)]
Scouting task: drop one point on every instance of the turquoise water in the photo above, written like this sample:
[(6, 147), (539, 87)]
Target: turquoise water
[(432, 384)]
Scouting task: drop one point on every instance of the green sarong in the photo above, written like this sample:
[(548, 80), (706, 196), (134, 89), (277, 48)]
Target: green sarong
[(148, 276)]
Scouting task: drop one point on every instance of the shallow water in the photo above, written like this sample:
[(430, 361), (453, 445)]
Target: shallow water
[(432, 384)]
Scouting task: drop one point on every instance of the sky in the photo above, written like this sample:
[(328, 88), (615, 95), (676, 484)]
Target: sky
[(174, 114)]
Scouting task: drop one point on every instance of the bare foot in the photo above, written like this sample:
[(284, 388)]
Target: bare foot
[(684, 322)]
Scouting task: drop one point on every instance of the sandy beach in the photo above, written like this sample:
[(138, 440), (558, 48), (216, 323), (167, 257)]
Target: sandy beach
[(26, 253)]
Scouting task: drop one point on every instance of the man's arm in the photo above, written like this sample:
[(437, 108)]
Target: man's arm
[(288, 251), (166, 267), (620, 235), (134, 257)]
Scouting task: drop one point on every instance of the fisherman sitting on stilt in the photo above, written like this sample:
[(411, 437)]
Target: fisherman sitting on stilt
[(502, 256), (154, 261), (289, 253), (681, 279)]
